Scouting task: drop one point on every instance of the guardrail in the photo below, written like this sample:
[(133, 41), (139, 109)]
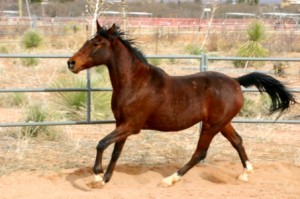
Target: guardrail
[(203, 58)]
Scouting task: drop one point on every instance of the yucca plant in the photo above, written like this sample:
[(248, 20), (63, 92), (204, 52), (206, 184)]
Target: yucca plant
[(253, 47), (74, 104)]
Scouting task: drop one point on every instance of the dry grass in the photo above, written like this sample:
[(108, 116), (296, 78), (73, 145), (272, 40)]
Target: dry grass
[(264, 143)]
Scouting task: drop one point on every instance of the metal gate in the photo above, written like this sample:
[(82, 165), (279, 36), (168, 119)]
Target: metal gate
[(203, 58)]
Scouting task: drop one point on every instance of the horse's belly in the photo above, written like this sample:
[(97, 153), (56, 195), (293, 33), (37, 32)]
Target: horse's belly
[(167, 123)]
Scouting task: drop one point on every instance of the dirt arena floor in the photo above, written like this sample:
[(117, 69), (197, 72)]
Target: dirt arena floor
[(47, 169)]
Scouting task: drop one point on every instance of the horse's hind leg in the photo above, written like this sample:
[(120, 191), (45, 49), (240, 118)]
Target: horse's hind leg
[(206, 136), (235, 139)]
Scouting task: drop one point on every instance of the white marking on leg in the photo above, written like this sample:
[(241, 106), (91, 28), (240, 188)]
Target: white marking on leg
[(247, 170), (99, 178), (169, 181), (249, 167)]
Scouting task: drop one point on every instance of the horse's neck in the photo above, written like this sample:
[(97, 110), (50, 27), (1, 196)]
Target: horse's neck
[(123, 71)]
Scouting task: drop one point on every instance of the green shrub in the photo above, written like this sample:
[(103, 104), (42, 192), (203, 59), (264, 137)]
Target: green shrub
[(71, 102), (31, 40), (255, 105), (172, 61), (29, 62), (74, 104), (248, 109), (193, 49), (37, 113), (3, 50), (155, 62), (279, 68), (13, 99), (253, 47), (18, 99), (265, 103)]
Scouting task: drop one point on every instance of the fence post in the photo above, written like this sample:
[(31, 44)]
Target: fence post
[(203, 62)]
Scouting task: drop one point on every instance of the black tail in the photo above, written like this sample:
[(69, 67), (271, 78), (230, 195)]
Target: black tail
[(281, 98)]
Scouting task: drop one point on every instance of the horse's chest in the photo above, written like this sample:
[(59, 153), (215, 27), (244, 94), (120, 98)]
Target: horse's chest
[(127, 107)]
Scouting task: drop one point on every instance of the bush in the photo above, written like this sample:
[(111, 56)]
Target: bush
[(255, 105), (253, 47), (248, 109), (18, 99), (155, 62), (36, 113), (265, 103), (29, 62), (13, 99), (3, 50), (74, 104), (31, 40), (193, 49)]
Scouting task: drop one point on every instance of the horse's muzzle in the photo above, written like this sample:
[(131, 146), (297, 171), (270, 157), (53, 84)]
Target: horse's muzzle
[(71, 64)]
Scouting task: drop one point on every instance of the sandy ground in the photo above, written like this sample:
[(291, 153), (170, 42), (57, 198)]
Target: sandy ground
[(214, 181), (64, 170)]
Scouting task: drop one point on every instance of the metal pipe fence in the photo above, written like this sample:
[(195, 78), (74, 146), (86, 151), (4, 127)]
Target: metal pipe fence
[(203, 58)]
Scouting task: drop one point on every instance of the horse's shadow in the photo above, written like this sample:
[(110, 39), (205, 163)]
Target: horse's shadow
[(80, 178)]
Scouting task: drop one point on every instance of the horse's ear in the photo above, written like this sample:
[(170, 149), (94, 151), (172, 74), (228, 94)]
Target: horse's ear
[(112, 29), (98, 26)]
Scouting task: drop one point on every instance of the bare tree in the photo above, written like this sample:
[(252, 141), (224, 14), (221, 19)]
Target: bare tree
[(96, 8), (209, 25)]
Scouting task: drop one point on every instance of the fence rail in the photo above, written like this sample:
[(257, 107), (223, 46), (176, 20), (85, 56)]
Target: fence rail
[(203, 58)]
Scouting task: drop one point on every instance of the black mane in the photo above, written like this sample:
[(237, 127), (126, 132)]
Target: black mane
[(129, 43)]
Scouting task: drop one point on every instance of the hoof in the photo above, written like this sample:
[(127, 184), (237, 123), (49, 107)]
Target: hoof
[(244, 177), (97, 183), (98, 178), (169, 181), (248, 170)]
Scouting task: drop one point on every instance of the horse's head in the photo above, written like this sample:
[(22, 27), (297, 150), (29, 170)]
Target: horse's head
[(94, 52)]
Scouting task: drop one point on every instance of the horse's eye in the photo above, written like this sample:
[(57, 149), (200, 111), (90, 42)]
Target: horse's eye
[(95, 44)]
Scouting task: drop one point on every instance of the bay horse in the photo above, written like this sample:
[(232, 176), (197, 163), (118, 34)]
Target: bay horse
[(146, 97)]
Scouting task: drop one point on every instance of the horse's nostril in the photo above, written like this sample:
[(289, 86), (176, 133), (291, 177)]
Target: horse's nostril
[(71, 64)]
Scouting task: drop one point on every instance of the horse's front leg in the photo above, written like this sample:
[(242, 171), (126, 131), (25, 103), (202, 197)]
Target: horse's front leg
[(98, 169), (118, 136), (115, 156)]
